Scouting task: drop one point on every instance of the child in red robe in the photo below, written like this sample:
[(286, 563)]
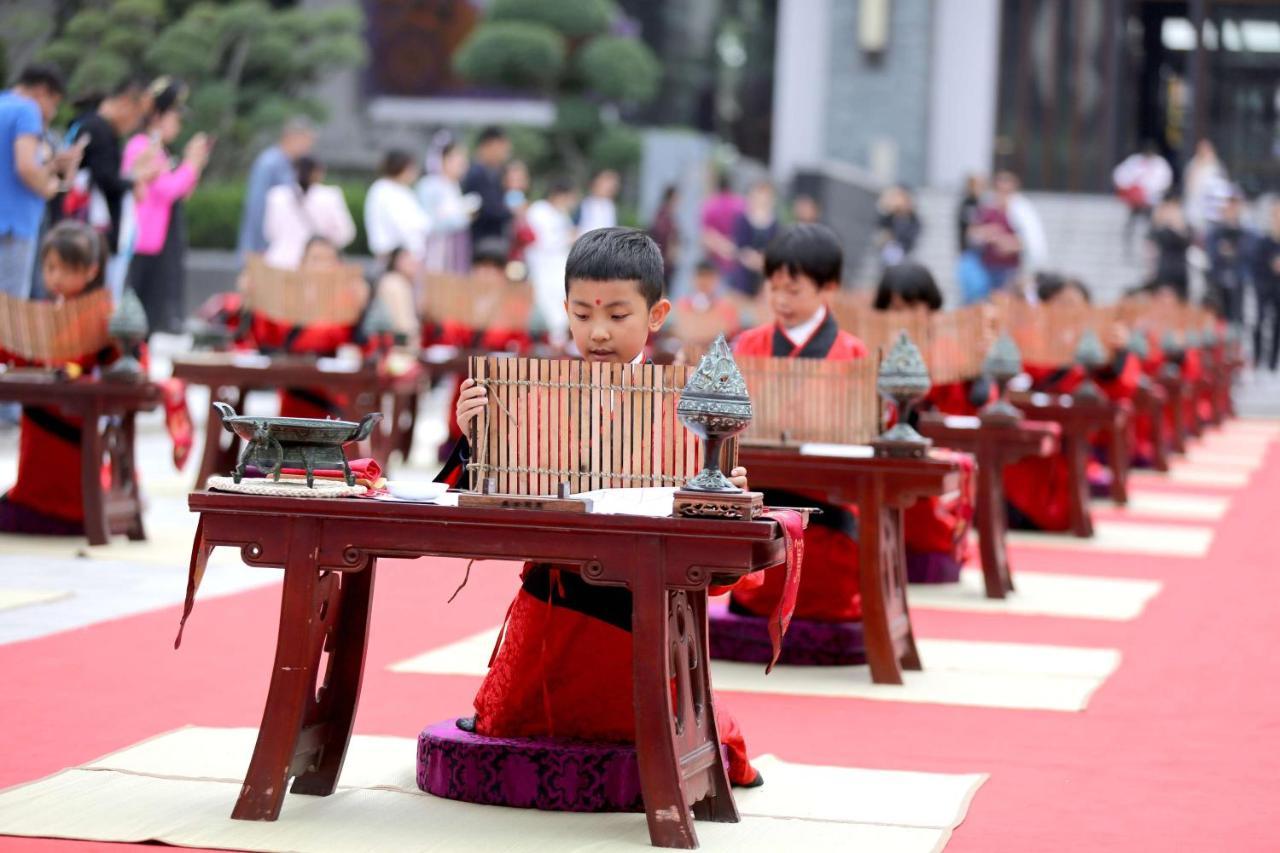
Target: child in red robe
[(935, 529), (802, 267), (1038, 489), (563, 664)]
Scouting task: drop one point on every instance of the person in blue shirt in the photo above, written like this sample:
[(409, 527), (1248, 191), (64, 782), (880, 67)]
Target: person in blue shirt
[(272, 168), (28, 174)]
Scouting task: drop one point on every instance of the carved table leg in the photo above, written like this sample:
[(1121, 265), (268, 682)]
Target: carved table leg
[(886, 622), (991, 527), (695, 639), (96, 528), (406, 422), (128, 477), (341, 691), (1121, 452), (1075, 445), (661, 781), (1159, 437), (292, 679)]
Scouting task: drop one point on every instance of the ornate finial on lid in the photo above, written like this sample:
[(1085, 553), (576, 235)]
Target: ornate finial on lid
[(1138, 344), (1209, 334), (717, 375), (903, 379), (1003, 362), (377, 320), (1089, 351), (1004, 359), (1169, 344), (1191, 339), (128, 327)]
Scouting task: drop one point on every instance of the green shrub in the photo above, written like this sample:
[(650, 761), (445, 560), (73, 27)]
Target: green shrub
[(573, 18), (213, 214), (512, 53)]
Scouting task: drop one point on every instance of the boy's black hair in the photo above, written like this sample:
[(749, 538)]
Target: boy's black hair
[(489, 134), (808, 248), (77, 245), (45, 75), (1050, 284), (912, 283), (559, 186), (617, 254), (493, 251)]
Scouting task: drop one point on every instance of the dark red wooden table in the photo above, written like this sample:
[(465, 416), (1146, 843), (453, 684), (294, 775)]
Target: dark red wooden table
[(882, 488), (1080, 418), (107, 411), (1151, 400), (231, 376), (994, 444), (329, 550)]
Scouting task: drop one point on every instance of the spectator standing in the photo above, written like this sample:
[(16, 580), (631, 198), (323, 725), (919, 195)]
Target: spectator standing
[(1266, 284), (102, 189), (396, 290), (484, 178), (599, 210), (970, 206), (515, 189), (272, 168), (28, 176), (1141, 180), (1026, 222), (306, 208), (448, 247), (719, 212), (665, 231), (393, 218), (898, 227), (157, 270), (1170, 239), (553, 236), (1207, 187), (993, 235), (805, 210), (975, 284), (1228, 244), (753, 228)]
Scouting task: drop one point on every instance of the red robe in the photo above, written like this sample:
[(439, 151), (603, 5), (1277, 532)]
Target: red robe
[(562, 666), (938, 525), (829, 590), (1038, 488), (270, 336)]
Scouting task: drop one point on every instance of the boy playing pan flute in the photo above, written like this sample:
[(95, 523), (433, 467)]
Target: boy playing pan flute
[(563, 664)]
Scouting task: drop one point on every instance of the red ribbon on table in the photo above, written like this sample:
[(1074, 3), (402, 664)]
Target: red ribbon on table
[(792, 524)]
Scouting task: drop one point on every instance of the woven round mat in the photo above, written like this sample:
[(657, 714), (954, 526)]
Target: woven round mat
[(289, 487)]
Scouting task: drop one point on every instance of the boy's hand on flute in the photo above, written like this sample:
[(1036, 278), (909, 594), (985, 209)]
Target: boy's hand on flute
[(738, 476), (471, 402)]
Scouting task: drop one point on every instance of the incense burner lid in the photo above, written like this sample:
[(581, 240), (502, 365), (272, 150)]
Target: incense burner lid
[(1004, 359), (716, 393), (1138, 344), (129, 319), (903, 374), (1089, 351)]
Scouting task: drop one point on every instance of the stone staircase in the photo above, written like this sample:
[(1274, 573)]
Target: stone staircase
[(1085, 236)]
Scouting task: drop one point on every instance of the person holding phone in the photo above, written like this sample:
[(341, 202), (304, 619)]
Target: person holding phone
[(157, 266)]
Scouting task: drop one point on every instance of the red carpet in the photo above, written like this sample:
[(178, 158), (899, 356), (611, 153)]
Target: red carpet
[(1175, 751)]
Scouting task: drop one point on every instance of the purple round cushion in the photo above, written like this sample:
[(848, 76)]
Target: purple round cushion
[(529, 773), (745, 638), (932, 567)]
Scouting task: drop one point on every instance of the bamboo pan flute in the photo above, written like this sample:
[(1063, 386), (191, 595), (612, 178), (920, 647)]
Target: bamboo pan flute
[(952, 343), (589, 425), (477, 301), (52, 332), (796, 401), (1157, 316), (314, 297)]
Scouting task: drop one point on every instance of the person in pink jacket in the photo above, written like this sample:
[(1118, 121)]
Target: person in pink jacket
[(157, 268)]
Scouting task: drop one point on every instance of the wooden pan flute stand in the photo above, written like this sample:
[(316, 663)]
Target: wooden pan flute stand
[(1080, 418), (367, 389), (117, 508), (994, 443), (329, 549), (881, 488)]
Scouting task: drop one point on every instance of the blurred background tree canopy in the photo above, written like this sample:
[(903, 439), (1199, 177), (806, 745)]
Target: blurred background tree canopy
[(248, 63), (579, 54)]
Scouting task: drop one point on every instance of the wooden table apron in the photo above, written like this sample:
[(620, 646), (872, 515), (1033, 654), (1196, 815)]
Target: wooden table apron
[(881, 488), (329, 548), (230, 383), (118, 508), (993, 445), (1080, 419), (1150, 399)]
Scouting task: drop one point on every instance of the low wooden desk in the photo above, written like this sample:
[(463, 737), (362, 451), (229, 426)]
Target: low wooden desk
[(994, 444), (1175, 405), (1151, 400), (329, 550), (116, 508), (882, 488), (1079, 419), (231, 376)]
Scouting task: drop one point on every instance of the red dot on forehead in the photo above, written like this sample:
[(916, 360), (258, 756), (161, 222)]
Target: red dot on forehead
[(597, 301)]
